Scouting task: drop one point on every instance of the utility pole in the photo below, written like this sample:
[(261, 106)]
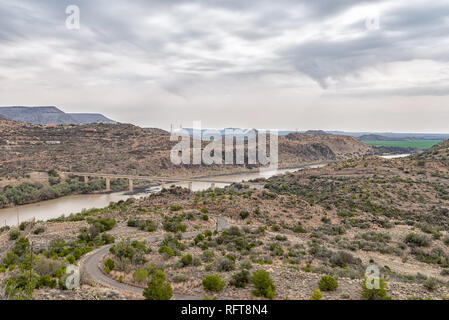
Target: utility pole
[(31, 261)]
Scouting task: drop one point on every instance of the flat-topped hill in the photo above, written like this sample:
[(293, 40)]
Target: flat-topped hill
[(50, 115)]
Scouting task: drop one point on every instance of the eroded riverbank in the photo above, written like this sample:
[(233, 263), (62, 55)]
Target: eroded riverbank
[(54, 208)]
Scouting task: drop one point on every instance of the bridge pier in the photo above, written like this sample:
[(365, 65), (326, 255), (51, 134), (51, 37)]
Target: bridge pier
[(163, 184), (212, 186), (190, 185), (108, 184), (131, 185), (86, 179)]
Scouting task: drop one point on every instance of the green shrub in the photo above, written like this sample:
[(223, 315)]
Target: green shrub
[(21, 247), (431, 284), (39, 230), (180, 278), (5, 228), (173, 224), (33, 192), (196, 261), (246, 264), (107, 238), (213, 283), (14, 235), (47, 281), (147, 225), (167, 251), (205, 217), (225, 265), (208, 256), (375, 294), (342, 259), (127, 251), (186, 260), (244, 215), (317, 295), (240, 279), (198, 238), (416, 240), (71, 259), (140, 275), (158, 288), (328, 283), (299, 229), (102, 224), (110, 264), (263, 283)]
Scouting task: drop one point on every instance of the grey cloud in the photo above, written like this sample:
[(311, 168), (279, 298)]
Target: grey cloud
[(333, 59), (250, 44), (113, 23), (434, 91), (405, 34)]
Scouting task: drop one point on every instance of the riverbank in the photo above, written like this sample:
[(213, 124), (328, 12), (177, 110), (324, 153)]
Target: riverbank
[(66, 205), (74, 203)]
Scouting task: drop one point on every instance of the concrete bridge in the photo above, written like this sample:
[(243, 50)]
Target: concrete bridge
[(131, 178)]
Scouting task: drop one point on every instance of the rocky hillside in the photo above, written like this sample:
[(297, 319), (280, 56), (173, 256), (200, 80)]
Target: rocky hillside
[(50, 115), (321, 147), (124, 148), (376, 137), (86, 118), (438, 153), (312, 229)]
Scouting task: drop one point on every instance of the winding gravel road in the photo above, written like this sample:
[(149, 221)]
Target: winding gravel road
[(90, 265)]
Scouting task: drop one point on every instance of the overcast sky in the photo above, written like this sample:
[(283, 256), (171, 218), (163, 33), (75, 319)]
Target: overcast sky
[(322, 64)]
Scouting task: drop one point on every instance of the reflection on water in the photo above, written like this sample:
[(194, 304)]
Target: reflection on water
[(49, 209), (198, 186), (72, 204), (395, 156)]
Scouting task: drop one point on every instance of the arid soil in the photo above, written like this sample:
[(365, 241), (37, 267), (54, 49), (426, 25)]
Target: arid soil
[(335, 220)]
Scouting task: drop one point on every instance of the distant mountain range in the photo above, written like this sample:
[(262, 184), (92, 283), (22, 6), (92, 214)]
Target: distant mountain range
[(376, 137), (50, 115), (366, 136), (379, 136), (394, 136)]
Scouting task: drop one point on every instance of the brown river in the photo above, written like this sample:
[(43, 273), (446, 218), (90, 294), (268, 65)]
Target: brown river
[(55, 208), (49, 209)]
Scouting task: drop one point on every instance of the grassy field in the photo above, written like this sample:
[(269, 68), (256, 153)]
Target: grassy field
[(417, 144)]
